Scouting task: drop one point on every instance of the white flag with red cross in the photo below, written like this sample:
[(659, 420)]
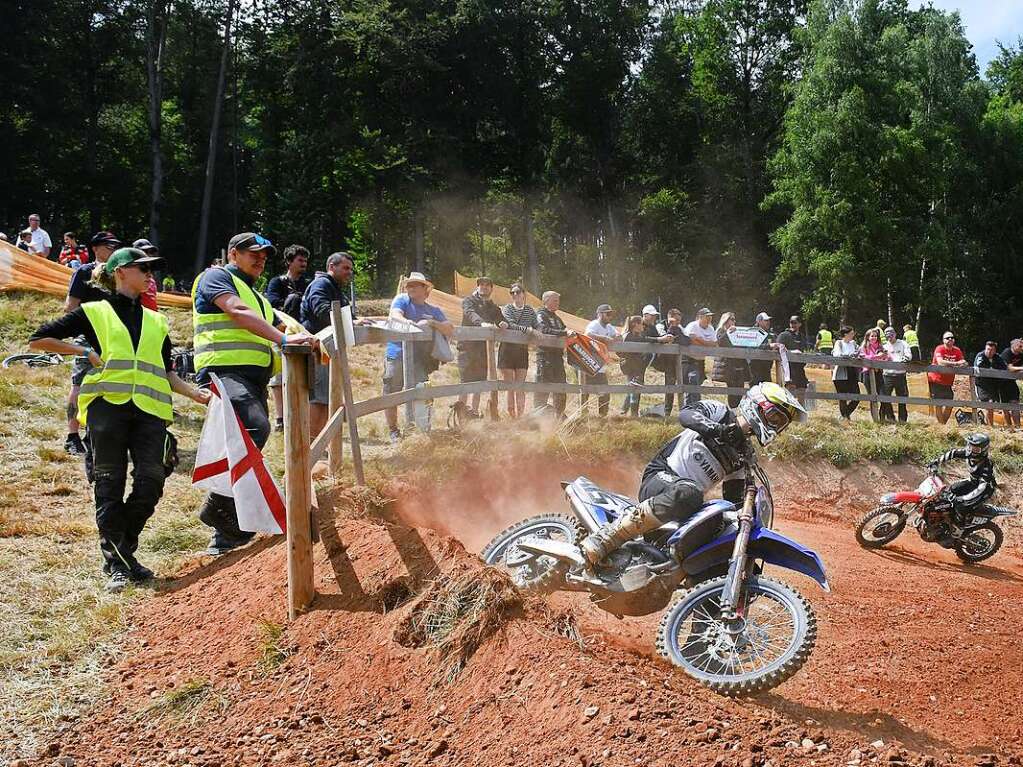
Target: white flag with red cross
[(227, 462)]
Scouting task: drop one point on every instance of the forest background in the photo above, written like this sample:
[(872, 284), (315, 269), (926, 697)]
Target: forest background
[(843, 158)]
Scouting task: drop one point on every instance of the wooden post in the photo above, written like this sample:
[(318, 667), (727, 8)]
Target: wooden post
[(298, 489), (408, 380), (973, 395), (872, 390), (335, 448), (680, 380), (346, 392), (492, 376)]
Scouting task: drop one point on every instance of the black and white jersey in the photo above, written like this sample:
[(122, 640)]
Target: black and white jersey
[(695, 454)]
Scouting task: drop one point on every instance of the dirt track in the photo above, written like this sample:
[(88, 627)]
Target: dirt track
[(914, 649)]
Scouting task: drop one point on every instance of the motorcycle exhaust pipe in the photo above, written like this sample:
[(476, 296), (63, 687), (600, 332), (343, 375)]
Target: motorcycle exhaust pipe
[(583, 512)]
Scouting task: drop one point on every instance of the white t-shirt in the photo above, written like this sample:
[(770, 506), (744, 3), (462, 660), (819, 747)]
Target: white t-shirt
[(707, 334), (40, 240), (594, 328)]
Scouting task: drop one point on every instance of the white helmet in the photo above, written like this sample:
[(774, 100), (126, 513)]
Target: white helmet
[(769, 409)]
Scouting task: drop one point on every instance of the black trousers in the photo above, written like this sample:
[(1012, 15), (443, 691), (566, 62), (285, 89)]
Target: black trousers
[(119, 433), (249, 401), (672, 498), (900, 387), (671, 379), (603, 400), (847, 386), (550, 371)]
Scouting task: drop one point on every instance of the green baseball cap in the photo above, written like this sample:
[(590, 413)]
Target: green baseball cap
[(127, 257)]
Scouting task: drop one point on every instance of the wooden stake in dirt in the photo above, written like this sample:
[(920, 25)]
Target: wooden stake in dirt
[(872, 391), (492, 376), (408, 380), (297, 486), (346, 392), (336, 446)]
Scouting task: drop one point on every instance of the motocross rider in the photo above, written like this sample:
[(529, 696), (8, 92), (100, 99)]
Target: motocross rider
[(710, 449), (968, 493)]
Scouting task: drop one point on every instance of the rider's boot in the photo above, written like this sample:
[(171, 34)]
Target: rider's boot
[(638, 520)]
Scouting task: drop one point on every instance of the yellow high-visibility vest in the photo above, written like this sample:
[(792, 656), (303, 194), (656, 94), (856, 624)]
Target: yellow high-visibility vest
[(128, 374), (911, 338), (825, 340), (219, 342)]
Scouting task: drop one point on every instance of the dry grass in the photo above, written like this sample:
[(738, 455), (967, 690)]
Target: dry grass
[(457, 614), (60, 628), (273, 648), (189, 704)]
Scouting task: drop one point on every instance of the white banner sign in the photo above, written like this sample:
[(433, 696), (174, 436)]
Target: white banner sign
[(747, 338)]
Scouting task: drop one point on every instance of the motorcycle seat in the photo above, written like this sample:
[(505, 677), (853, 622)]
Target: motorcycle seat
[(700, 528)]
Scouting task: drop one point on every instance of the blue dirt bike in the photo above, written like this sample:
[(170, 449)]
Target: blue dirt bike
[(728, 626)]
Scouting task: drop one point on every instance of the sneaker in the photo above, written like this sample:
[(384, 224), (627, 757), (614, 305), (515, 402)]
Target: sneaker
[(280, 425), (73, 445), (221, 544), (395, 436), (118, 580)]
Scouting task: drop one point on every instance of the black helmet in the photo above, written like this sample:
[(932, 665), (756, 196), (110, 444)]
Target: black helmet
[(978, 442)]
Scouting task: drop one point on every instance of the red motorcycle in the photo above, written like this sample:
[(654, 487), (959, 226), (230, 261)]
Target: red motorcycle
[(930, 510)]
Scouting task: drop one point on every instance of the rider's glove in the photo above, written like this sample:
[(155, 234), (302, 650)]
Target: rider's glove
[(733, 435)]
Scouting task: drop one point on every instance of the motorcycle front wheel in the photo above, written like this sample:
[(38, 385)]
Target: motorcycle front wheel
[(527, 570), (778, 632), (880, 527), (980, 544)]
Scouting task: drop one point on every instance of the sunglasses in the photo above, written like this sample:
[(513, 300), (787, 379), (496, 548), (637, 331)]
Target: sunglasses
[(144, 268), (950, 338), (516, 292)]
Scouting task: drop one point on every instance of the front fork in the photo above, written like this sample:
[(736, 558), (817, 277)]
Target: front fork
[(738, 567)]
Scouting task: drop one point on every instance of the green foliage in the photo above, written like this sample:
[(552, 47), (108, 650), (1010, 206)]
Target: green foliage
[(361, 251), (845, 152)]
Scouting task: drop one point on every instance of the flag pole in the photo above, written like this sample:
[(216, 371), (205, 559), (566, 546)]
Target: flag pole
[(297, 487)]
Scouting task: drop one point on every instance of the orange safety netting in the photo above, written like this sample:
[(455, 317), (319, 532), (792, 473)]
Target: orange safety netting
[(22, 271)]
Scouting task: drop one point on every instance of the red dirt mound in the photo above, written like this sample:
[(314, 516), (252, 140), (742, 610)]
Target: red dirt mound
[(209, 680)]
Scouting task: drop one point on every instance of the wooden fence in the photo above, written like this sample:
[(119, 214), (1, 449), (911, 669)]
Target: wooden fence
[(343, 408)]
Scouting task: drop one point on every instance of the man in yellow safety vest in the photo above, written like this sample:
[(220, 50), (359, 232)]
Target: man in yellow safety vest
[(235, 334), (825, 340), (912, 341)]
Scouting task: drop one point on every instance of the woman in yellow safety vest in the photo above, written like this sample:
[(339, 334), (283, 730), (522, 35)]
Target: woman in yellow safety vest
[(125, 401)]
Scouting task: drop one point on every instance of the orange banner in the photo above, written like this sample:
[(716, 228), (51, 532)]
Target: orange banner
[(21, 271)]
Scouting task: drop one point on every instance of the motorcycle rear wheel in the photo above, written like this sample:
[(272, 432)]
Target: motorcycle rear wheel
[(778, 636), (877, 528), (535, 573), (982, 543)]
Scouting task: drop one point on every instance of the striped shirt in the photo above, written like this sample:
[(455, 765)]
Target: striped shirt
[(523, 319)]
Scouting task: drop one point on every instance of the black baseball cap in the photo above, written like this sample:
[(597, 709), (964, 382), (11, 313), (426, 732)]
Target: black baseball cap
[(105, 238), (251, 241), (146, 246)]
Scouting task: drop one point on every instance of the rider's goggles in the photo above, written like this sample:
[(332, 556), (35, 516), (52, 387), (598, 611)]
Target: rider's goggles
[(773, 415)]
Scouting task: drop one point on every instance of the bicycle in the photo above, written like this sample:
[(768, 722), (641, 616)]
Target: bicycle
[(34, 360)]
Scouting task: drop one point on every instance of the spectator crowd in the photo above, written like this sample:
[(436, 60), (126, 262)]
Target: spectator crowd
[(123, 374)]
